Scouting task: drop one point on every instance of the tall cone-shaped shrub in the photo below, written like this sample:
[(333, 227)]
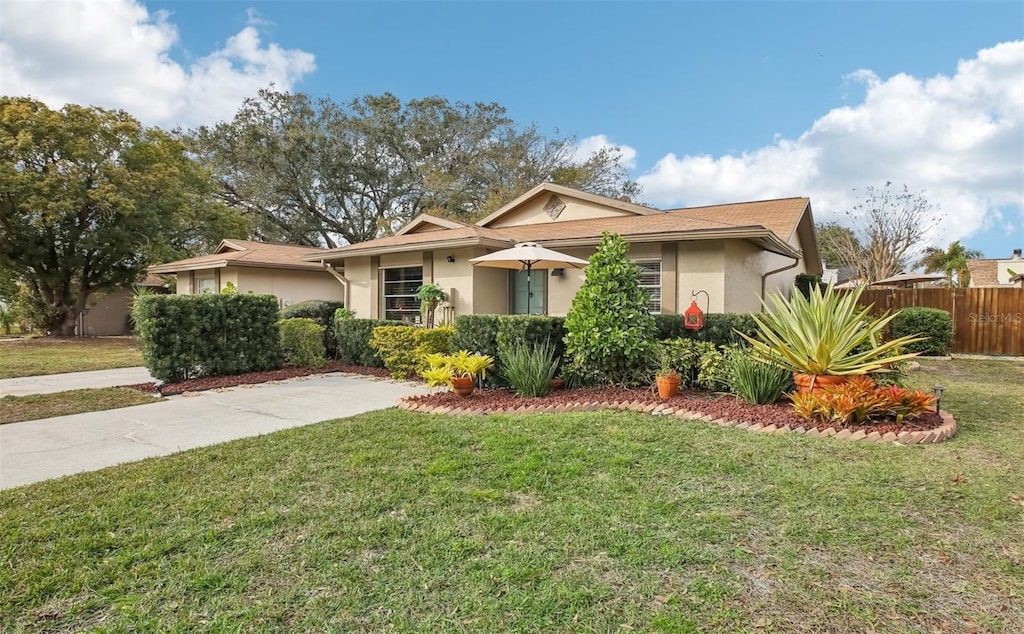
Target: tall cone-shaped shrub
[(610, 334)]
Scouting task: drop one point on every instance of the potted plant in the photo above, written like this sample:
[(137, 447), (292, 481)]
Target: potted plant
[(460, 370), (667, 378), (430, 295), (825, 338)]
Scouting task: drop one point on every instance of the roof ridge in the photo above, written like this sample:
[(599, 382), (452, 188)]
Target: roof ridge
[(736, 204)]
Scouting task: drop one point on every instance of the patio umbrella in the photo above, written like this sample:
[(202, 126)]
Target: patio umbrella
[(527, 256), (906, 279)]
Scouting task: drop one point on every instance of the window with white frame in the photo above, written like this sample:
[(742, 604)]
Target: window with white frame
[(650, 281), (400, 286)]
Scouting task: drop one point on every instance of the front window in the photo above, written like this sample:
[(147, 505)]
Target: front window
[(206, 285), (650, 281), (400, 286)]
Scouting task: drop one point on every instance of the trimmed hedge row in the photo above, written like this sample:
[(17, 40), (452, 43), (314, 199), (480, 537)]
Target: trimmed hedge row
[(353, 338), (719, 328), (191, 336)]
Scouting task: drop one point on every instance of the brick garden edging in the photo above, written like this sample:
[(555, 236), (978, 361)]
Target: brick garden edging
[(945, 431)]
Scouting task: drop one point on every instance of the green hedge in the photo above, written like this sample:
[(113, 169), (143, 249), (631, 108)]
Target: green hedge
[(353, 336), (718, 328), (322, 312), (302, 342), (804, 282), (530, 330), (477, 333), (933, 323), (191, 336)]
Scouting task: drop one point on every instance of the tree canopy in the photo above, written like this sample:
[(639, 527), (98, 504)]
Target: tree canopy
[(321, 173), (88, 197), (951, 261), (881, 233)]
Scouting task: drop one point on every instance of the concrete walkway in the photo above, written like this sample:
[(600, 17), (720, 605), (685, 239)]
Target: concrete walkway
[(49, 383), (49, 448)]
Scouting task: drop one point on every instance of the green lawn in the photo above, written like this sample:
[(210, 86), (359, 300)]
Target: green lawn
[(585, 522), (15, 409), (36, 356)]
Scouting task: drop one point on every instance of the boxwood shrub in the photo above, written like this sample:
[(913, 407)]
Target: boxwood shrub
[(353, 336), (322, 312), (531, 330), (477, 333), (191, 336), (933, 323), (718, 328), (302, 342)]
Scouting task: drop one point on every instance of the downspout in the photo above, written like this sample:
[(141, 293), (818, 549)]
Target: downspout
[(764, 278), (338, 276)]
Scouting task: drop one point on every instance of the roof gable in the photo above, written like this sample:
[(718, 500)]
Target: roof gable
[(547, 203), (427, 222)]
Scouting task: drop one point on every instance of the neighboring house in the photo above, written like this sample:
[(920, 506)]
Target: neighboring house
[(735, 252), (258, 267), (995, 271), (109, 315)]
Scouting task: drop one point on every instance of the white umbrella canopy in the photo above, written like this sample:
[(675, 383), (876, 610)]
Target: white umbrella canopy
[(527, 256)]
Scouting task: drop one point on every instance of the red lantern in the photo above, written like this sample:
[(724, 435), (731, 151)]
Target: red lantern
[(693, 318)]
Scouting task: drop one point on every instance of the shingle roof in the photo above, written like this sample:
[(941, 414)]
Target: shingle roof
[(983, 272), (246, 253), (780, 217)]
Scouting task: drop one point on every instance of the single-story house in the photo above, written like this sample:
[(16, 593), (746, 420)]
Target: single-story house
[(996, 271), (258, 267), (735, 252)]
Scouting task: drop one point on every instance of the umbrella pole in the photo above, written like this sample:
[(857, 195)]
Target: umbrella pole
[(529, 291)]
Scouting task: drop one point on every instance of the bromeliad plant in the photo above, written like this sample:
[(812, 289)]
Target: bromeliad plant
[(860, 401), (445, 369), (825, 334)]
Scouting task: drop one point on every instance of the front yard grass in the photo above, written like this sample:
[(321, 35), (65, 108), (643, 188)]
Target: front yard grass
[(586, 522), (38, 356), (15, 409)]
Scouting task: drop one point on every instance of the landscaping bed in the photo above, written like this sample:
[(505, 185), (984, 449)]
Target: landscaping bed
[(707, 403), (215, 382)]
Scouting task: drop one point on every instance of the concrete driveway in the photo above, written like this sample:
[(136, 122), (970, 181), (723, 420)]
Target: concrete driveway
[(49, 383), (54, 447)]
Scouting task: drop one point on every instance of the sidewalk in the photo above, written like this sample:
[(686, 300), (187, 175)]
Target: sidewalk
[(49, 383), (41, 449)]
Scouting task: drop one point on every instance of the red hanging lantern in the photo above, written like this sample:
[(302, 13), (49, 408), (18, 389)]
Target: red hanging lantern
[(693, 318)]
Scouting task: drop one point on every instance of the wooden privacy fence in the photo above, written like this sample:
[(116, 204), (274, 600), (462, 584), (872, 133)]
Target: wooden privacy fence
[(985, 320)]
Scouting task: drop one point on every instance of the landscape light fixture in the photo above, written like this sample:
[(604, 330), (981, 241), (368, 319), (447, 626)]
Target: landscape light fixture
[(937, 391)]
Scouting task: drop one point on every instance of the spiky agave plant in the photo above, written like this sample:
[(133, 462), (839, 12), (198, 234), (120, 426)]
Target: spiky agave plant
[(825, 334)]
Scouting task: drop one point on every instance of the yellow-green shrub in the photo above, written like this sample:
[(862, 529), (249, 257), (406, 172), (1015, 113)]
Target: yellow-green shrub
[(302, 342), (403, 348)]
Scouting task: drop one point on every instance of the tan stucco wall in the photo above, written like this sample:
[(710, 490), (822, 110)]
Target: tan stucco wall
[(532, 212), (109, 316), (700, 266), (357, 272), (290, 287)]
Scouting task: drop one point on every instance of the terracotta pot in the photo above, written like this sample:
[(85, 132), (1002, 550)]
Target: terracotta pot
[(668, 386), (810, 382), (557, 383), (463, 385)]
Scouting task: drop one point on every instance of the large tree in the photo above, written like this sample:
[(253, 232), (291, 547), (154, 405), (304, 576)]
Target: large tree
[(319, 173), (88, 197), (886, 229), (951, 261)]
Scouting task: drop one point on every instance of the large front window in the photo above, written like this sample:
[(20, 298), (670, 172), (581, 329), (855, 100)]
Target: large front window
[(650, 281), (400, 286)]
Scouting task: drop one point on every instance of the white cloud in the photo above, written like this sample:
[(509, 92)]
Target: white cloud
[(588, 146), (959, 138), (117, 54)]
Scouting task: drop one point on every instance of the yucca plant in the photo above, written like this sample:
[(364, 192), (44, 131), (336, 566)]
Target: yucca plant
[(757, 381), (529, 368), (825, 334)]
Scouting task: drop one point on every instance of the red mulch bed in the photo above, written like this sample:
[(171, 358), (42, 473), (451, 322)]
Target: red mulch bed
[(717, 405), (214, 382)]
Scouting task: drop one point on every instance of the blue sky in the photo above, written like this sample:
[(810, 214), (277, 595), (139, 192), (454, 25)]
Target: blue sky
[(712, 101)]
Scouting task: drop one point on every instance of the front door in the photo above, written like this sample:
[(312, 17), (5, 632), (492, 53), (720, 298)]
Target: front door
[(538, 292)]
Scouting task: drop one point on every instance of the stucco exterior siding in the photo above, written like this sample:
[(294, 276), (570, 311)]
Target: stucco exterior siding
[(700, 266), (290, 287)]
